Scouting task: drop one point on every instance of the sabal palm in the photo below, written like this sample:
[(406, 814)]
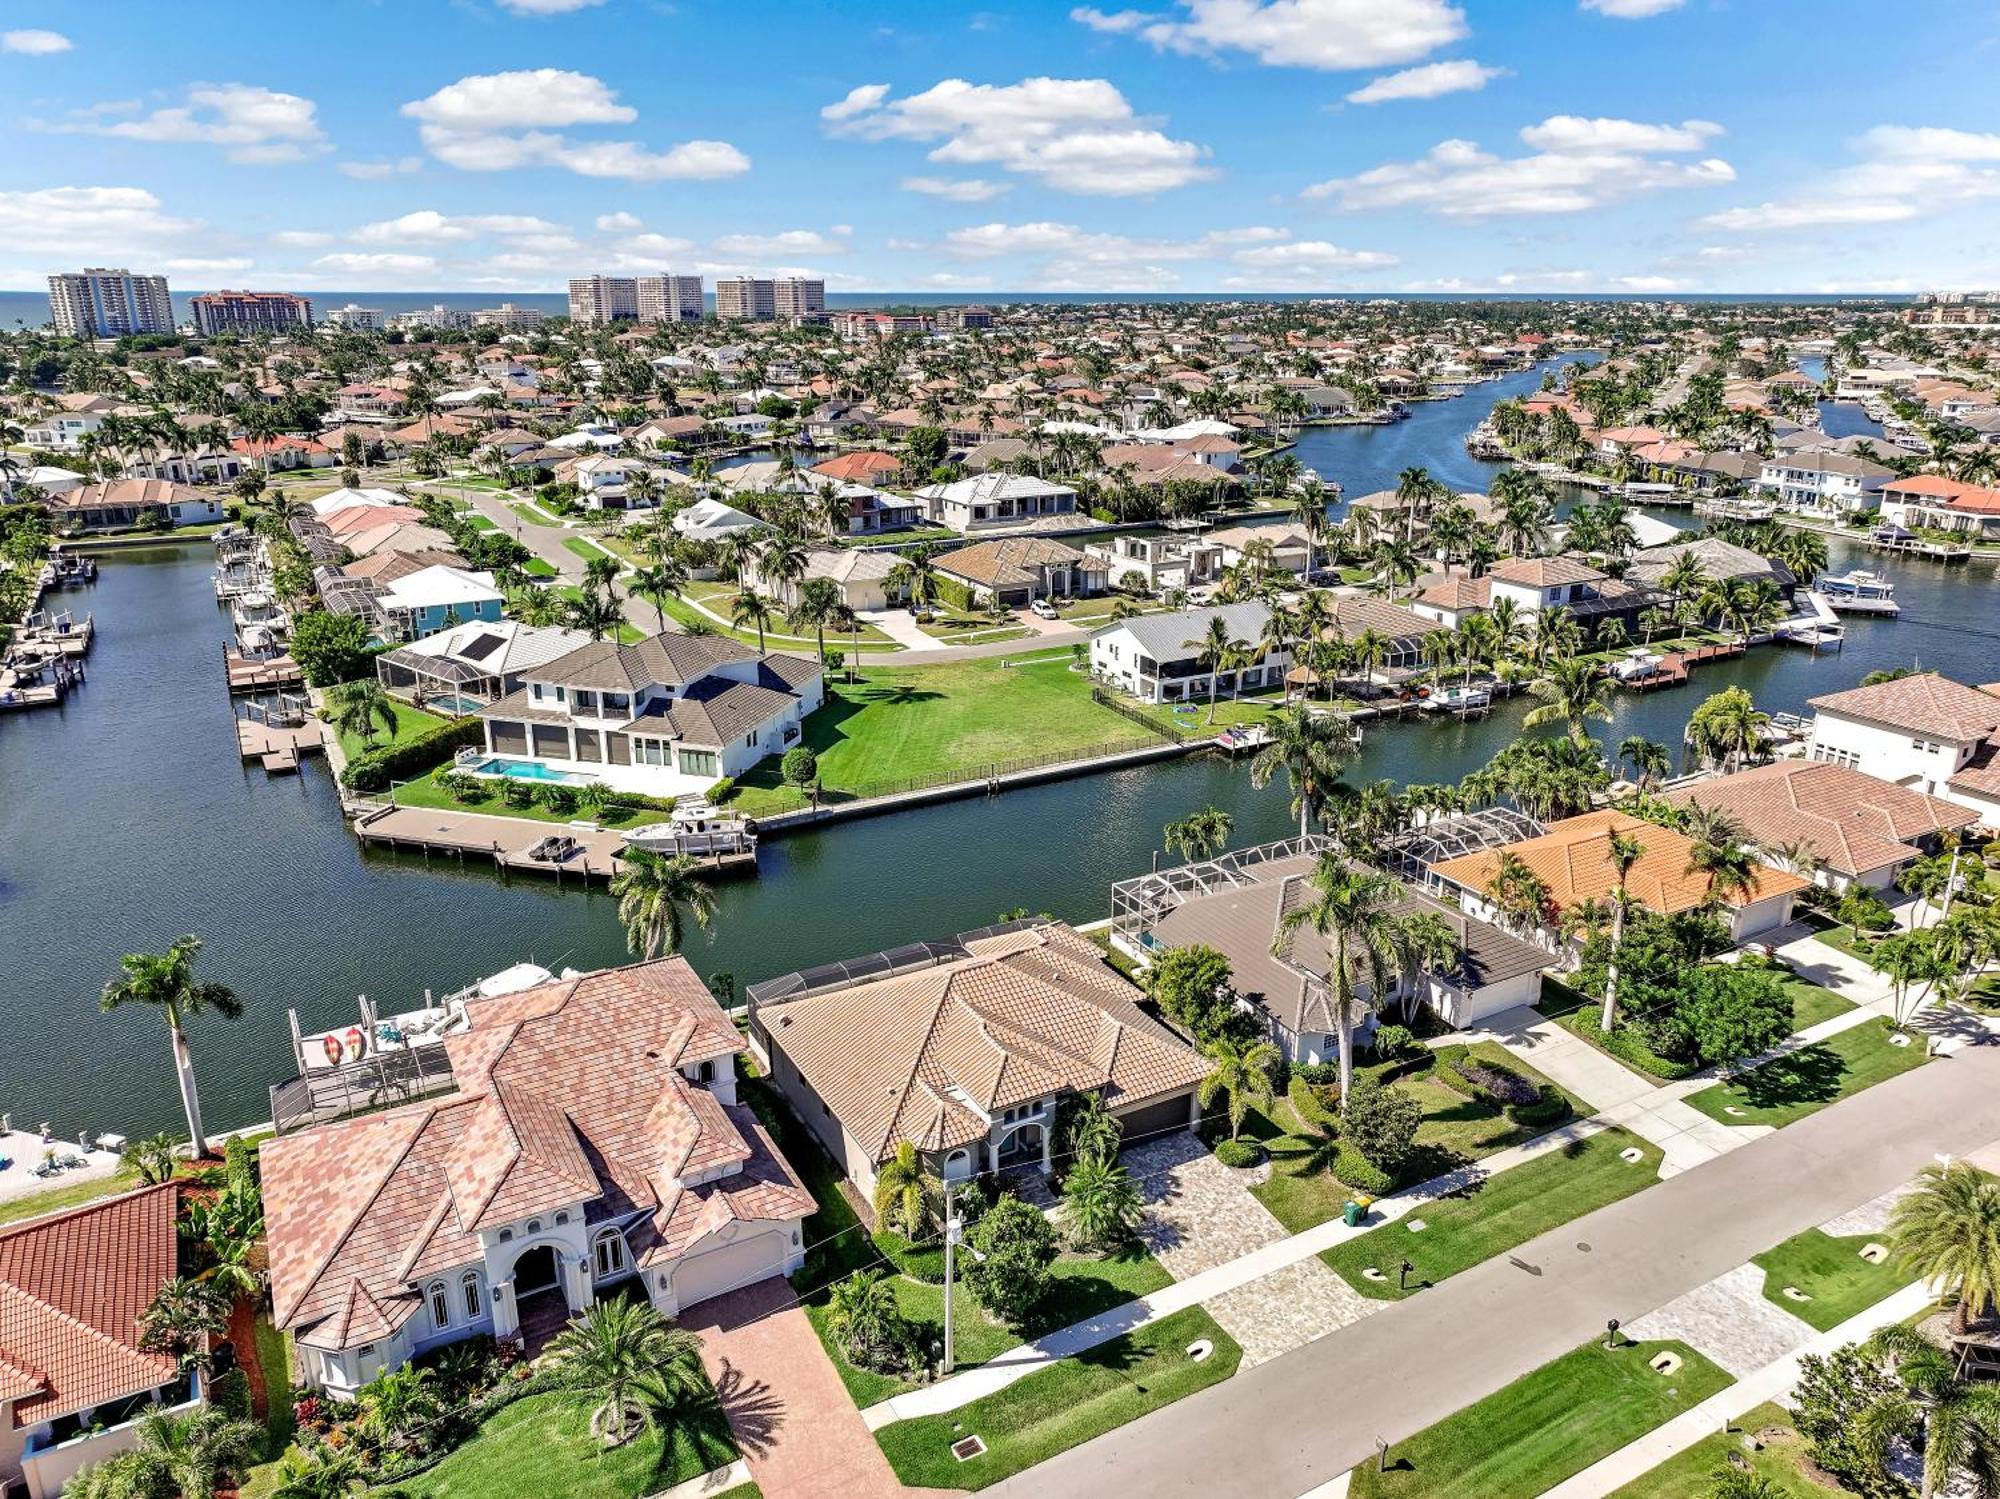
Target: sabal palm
[(1218, 651), (1947, 1230), (1310, 749), (656, 896), (902, 1194), (750, 608), (166, 983), (1624, 851), (1241, 1073), (623, 1352)]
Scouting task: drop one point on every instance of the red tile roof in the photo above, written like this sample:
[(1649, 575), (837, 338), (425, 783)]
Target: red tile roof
[(72, 1287)]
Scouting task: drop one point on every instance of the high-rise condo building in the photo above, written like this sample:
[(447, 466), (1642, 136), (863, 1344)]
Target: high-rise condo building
[(798, 296), (671, 299), (603, 299), (746, 298), (100, 303), (251, 312)]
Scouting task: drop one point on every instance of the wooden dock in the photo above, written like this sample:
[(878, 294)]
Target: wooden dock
[(507, 842), (246, 675), (278, 748)]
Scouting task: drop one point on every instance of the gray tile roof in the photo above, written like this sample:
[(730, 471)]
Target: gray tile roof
[(1161, 636)]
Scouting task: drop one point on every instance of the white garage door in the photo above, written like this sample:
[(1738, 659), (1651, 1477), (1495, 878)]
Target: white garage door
[(739, 1264)]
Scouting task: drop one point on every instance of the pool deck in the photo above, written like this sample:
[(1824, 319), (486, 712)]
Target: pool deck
[(506, 841), (26, 1150)]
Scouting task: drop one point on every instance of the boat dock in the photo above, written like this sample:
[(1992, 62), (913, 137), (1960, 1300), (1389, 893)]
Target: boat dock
[(1917, 546), (279, 747), (246, 674), (580, 850)]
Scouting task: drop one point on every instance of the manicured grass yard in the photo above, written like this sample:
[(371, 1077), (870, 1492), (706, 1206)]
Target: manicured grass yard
[(542, 1446), (1691, 1474), (1832, 1272), (904, 723), (1062, 1406), (1811, 1004), (425, 792), (410, 723), (1807, 1080), (587, 549), (1502, 1212), (1545, 1426), (1455, 1129), (59, 1195), (535, 567)]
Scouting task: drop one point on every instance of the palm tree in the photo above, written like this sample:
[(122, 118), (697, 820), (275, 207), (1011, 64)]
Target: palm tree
[(1518, 894), (818, 604), (902, 1195), (1102, 1205), (177, 1457), (1201, 834), (359, 706), (1353, 909), (1947, 1231), (154, 1159), (749, 607), (327, 1475), (656, 581), (1717, 849), (655, 896), (1624, 851), (397, 1401), (1309, 748), (1570, 691), (595, 613), (1954, 1422), (1242, 1073), (627, 1355), (861, 1313), (1651, 759), (166, 982), (1217, 650)]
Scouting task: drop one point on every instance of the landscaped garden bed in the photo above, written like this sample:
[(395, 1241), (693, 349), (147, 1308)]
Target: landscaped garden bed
[(1764, 1438)]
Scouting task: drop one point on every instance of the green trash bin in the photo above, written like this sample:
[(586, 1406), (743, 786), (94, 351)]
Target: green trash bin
[(1352, 1216)]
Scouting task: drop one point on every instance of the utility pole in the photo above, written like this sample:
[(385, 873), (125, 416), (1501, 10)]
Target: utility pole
[(951, 1236)]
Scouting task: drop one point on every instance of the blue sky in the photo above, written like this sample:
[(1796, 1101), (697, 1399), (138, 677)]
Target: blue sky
[(1196, 145)]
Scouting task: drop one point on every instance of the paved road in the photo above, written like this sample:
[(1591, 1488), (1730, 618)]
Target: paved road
[(1292, 1424)]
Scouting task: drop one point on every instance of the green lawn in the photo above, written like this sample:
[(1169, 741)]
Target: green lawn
[(1807, 1080), (904, 723), (479, 522), (776, 637), (535, 567), (588, 550), (425, 792), (57, 1198), (410, 723), (715, 598), (1063, 1406), (1504, 1211), (1545, 1426), (1811, 1004), (1774, 1454), (1831, 1271), (533, 514), (542, 1446), (1455, 1129), (1843, 939)]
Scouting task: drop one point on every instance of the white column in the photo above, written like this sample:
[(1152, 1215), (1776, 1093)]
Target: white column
[(506, 1315)]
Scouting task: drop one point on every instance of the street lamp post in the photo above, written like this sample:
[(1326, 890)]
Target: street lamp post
[(954, 1235)]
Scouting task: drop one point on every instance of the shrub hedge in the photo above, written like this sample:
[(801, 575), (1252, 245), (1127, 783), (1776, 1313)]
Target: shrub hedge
[(1239, 1153), (1354, 1170), (375, 770), (1629, 1047)]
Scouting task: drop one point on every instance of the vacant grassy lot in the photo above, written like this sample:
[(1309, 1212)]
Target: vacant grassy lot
[(1062, 1406), (1831, 1271), (1498, 1214), (542, 1446), (1545, 1426), (904, 723), (1806, 1081)]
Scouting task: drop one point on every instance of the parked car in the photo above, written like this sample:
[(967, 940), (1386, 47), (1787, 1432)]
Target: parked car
[(1043, 609)]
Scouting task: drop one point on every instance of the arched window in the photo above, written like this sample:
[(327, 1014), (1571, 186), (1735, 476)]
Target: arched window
[(534, 1225), (475, 1304), (506, 1236), (561, 1219), (957, 1164), (440, 1306), (608, 1253)]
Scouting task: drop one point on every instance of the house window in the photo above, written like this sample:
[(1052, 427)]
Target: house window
[(506, 1236), (534, 1225), (468, 1285), (440, 1306), (698, 762), (608, 1253)]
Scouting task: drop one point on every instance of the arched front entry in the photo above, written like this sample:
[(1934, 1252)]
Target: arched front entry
[(1024, 1147), (536, 1270)]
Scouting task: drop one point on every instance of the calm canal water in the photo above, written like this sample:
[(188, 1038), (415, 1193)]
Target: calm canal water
[(125, 821)]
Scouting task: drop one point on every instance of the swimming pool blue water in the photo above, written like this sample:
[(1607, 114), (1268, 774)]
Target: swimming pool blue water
[(525, 770)]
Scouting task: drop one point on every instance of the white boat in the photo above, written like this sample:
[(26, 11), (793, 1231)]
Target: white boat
[(1639, 664), (1459, 700), (1858, 592), (696, 827)]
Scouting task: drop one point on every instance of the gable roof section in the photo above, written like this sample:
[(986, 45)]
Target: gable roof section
[(1923, 704), (1853, 822)]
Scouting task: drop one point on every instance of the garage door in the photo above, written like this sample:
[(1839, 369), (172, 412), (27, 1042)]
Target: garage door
[(719, 1270), (1151, 1121)]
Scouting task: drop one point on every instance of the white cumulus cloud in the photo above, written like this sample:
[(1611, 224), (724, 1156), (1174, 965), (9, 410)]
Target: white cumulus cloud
[(33, 43), (1077, 135), (1633, 10), (785, 242), (377, 171), (956, 189), (373, 266), (1900, 171), (1432, 80), (546, 7), (65, 222), (1332, 35), (253, 125)]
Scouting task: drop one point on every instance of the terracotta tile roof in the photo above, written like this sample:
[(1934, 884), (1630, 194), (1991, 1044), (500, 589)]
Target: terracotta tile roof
[(1024, 1015), (1924, 704), (1014, 561), (1573, 859), (72, 1287), (569, 1092), (1546, 572), (1458, 592), (1854, 822)]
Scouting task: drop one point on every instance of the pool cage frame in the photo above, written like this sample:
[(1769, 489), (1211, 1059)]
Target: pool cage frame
[(1138, 905)]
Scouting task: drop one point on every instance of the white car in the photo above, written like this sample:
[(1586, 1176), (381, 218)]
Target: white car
[(1043, 609)]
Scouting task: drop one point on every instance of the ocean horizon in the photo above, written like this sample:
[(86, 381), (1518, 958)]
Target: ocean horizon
[(30, 308)]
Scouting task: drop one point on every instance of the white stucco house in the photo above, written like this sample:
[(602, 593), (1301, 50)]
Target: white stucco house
[(1149, 655), (1925, 732)]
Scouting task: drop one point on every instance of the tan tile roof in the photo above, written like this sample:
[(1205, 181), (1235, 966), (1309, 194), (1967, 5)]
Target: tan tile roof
[(1546, 572), (569, 1093), (1573, 859), (1027, 1014), (1854, 822), (1924, 704), (72, 1287), (1013, 561)]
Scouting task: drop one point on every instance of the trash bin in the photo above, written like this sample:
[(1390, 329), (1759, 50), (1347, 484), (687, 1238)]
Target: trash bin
[(1352, 1216)]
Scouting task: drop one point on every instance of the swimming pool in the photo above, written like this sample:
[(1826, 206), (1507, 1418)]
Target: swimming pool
[(526, 770), (458, 704)]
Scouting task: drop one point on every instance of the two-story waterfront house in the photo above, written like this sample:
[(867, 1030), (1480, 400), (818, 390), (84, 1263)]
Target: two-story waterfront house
[(666, 717), (1832, 485), (593, 1142), (1925, 732), (1159, 657), (998, 500)]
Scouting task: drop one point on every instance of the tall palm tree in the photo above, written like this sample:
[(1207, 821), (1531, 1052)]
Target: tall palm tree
[(1624, 851), (1353, 910), (1651, 759), (1242, 1073), (1947, 1230), (166, 982), (359, 706), (818, 605), (657, 581), (1954, 1422), (656, 896), (902, 1194), (1717, 849), (1310, 749), (1570, 691), (1201, 834), (624, 1353), (1217, 650), (749, 607)]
